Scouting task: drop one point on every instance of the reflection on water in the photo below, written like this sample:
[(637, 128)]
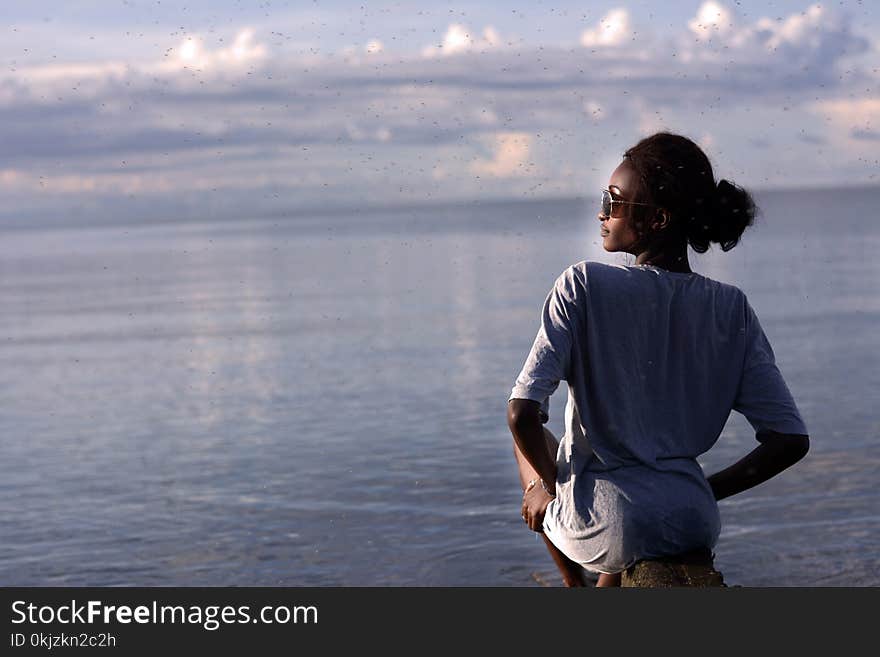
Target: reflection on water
[(322, 401)]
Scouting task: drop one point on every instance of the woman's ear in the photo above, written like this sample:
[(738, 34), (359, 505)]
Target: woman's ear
[(661, 219)]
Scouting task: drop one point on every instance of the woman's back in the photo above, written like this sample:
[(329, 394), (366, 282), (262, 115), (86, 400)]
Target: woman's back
[(655, 361), (656, 357)]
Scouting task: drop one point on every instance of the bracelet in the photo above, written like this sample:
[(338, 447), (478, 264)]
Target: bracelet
[(543, 485)]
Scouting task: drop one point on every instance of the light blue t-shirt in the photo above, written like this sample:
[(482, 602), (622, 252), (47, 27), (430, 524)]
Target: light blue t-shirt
[(654, 361)]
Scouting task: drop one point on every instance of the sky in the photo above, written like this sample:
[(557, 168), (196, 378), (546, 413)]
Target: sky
[(148, 109)]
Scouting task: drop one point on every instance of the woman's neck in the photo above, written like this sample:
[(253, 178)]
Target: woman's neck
[(673, 263)]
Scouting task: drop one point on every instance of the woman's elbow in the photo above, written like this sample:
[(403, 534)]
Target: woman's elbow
[(789, 447), (522, 411), (800, 447), (796, 447)]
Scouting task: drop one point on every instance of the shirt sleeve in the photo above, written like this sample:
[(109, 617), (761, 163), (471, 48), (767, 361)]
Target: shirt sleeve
[(763, 396), (549, 358)]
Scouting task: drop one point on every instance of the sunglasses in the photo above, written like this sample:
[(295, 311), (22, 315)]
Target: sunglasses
[(608, 203)]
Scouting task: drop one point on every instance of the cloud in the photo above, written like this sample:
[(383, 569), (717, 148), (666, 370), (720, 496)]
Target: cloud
[(510, 158), (865, 134), (10, 177), (706, 141), (810, 138), (192, 53), (797, 29), (459, 39), (613, 30), (712, 18), (233, 115), (36, 75), (594, 110), (651, 121), (802, 46), (850, 116), (63, 184)]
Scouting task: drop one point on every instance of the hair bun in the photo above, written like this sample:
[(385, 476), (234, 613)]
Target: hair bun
[(732, 211), (723, 190)]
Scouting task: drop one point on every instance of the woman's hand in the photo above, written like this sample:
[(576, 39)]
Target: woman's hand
[(535, 503)]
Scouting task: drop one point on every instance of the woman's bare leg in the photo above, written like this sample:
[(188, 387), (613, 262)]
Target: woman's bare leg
[(572, 574), (606, 580)]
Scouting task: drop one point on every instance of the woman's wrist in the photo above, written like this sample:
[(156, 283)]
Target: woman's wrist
[(549, 489)]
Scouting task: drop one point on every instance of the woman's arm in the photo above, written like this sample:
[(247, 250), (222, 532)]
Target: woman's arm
[(776, 452), (524, 422), (546, 365), (528, 433)]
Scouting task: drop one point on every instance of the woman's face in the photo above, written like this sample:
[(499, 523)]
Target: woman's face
[(617, 232)]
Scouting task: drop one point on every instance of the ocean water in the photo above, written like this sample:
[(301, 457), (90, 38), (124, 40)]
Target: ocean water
[(320, 400)]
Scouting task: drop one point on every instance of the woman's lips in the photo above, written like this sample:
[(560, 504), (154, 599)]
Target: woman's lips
[(604, 233)]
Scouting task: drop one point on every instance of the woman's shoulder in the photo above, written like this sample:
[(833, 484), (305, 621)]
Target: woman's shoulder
[(597, 267), (592, 274), (585, 267), (580, 272), (571, 283), (593, 269), (575, 281)]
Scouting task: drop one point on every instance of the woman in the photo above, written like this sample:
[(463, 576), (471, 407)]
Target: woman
[(655, 356)]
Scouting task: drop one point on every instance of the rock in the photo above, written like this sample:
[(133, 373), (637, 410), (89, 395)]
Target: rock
[(688, 569)]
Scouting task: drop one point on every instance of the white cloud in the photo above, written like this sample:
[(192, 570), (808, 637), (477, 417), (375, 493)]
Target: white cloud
[(850, 118), (706, 141), (192, 53), (651, 121), (485, 115), (10, 177), (358, 133), (510, 159), (193, 120), (490, 36), (52, 72), (594, 110), (354, 132), (800, 28), (104, 183), (374, 46), (612, 30), (712, 18), (812, 39), (459, 39)]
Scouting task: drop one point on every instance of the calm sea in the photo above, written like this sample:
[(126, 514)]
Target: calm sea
[(320, 400)]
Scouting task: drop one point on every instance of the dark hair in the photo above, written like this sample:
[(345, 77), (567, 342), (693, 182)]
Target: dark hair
[(676, 175)]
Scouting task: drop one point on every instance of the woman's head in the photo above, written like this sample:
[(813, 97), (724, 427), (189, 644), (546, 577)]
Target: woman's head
[(671, 199)]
